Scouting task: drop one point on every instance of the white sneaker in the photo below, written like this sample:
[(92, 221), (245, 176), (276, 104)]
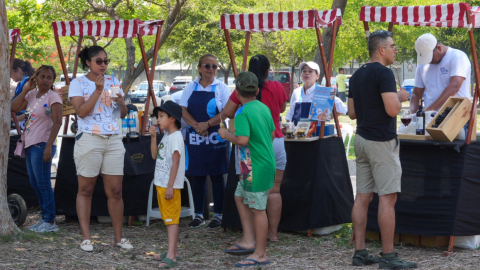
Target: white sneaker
[(36, 225), (86, 245), (47, 227), (125, 244)]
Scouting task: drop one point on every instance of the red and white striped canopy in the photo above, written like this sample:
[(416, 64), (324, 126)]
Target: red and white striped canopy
[(112, 28), (281, 21), (12, 33), (449, 15)]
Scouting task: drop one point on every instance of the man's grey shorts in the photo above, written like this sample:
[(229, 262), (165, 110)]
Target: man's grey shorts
[(378, 166)]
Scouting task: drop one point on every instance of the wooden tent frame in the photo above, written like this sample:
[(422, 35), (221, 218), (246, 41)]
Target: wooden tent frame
[(150, 76), (477, 80), (15, 40), (326, 67)]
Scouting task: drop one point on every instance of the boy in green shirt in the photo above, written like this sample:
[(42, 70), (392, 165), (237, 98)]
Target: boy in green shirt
[(254, 133), (341, 85)]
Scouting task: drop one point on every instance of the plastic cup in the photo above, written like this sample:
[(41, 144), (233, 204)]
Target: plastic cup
[(115, 90)]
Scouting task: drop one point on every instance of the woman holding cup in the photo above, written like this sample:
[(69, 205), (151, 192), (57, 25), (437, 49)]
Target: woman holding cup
[(98, 145)]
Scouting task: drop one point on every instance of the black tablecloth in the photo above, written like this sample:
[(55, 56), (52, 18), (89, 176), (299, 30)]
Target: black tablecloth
[(316, 188), (138, 175), (440, 190), (17, 176)]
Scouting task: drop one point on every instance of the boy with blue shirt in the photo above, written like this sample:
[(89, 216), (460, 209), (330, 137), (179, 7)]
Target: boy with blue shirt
[(254, 133)]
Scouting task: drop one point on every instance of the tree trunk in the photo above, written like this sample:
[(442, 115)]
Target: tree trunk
[(327, 38), (6, 222), (226, 73)]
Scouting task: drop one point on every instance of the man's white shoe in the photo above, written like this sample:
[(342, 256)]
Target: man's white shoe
[(86, 245), (125, 244)]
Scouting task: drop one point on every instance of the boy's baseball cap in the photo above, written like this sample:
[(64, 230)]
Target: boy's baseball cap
[(311, 65), (424, 46), (246, 81), (170, 107)]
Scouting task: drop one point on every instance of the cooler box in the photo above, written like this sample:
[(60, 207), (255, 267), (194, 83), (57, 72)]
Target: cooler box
[(329, 130)]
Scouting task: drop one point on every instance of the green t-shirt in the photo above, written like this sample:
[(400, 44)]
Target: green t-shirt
[(256, 160), (341, 82)]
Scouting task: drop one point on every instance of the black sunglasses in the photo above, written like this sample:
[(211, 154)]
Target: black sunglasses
[(208, 66), (100, 61)]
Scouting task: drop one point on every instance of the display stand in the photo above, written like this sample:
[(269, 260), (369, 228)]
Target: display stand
[(459, 15), (285, 21), (14, 38), (111, 29)]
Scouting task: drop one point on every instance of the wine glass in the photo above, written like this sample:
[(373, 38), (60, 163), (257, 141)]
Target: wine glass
[(406, 119)]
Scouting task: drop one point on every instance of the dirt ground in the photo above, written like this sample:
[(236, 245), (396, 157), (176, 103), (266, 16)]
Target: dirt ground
[(199, 248)]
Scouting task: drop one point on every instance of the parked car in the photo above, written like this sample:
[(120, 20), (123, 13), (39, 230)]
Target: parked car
[(179, 83), (408, 85), (284, 78), (140, 93), (167, 88)]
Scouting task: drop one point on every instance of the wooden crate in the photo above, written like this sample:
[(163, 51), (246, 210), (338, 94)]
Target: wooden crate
[(454, 122), (67, 105), (414, 137)]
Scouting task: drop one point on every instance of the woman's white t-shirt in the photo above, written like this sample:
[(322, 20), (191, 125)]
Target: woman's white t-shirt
[(163, 167), (100, 120)]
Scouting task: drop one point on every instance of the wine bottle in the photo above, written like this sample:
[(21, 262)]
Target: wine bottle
[(420, 119)]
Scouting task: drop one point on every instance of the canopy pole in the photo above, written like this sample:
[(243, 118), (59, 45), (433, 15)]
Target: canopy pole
[(230, 52), (12, 57), (390, 27), (65, 73), (147, 74), (245, 52), (151, 93), (12, 52), (75, 63), (330, 68), (471, 127), (367, 30)]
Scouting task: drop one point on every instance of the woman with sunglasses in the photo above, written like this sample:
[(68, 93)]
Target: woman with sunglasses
[(98, 144), (202, 102), (43, 120), (273, 95)]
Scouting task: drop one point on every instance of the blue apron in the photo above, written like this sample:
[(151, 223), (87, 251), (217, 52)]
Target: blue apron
[(208, 155), (302, 110)]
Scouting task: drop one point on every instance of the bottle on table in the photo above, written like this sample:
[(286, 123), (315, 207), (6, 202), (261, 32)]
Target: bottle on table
[(132, 123), (420, 119)]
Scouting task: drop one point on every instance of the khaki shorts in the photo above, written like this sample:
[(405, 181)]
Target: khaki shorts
[(378, 166), (256, 200), (94, 154), (169, 209)]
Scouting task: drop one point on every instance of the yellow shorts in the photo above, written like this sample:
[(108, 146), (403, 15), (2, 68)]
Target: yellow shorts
[(169, 209)]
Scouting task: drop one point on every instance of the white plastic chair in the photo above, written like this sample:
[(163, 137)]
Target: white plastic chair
[(155, 212), (347, 130)]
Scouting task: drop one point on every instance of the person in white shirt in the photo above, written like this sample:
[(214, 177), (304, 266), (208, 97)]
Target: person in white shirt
[(302, 97), (441, 72), (169, 174)]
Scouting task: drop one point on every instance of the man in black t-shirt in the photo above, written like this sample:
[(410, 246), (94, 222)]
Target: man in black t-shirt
[(374, 101)]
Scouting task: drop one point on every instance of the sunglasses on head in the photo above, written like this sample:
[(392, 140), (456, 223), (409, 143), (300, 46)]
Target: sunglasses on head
[(100, 61), (208, 66)]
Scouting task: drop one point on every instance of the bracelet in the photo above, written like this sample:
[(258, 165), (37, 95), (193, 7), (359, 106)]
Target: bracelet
[(99, 91), (208, 124)]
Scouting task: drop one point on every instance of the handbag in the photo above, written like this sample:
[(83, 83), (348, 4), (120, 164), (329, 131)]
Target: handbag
[(20, 149)]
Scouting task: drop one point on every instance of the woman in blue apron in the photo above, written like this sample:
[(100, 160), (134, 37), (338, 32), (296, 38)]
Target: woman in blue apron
[(202, 101), (301, 99)]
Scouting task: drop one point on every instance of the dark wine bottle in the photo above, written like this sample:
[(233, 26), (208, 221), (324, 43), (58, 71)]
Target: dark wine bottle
[(420, 119)]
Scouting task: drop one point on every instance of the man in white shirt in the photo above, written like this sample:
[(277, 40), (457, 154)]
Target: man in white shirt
[(441, 72)]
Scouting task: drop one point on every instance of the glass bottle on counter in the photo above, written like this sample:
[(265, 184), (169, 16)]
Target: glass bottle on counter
[(420, 119)]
